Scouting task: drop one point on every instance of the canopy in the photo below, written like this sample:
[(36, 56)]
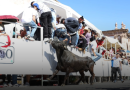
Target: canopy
[(110, 42), (8, 18)]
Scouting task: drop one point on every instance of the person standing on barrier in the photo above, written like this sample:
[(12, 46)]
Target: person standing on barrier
[(29, 19), (72, 26), (100, 44), (45, 20), (94, 55), (37, 16)]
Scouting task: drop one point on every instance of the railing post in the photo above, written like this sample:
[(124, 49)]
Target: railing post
[(15, 32), (115, 48)]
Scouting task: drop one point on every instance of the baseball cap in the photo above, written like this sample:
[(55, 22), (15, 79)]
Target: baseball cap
[(35, 4), (58, 16)]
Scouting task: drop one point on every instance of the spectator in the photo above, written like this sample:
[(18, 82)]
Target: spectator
[(37, 16), (125, 61), (100, 44), (58, 17), (87, 36), (27, 80), (45, 20), (72, 26), (92, 35), (117, 67), (61, 33), (62, 21), (111, 52), (84, 40), (94, 55), (9, 80), (53, 12), (14, 32), (14, 81), (29, 19), (23, 33), (80, 20)]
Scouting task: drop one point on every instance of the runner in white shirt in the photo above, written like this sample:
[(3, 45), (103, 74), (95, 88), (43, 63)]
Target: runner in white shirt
[(29, 19), (45, 20), (117, 67)]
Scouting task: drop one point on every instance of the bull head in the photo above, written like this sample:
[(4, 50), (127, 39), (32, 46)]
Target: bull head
[(56, 44)]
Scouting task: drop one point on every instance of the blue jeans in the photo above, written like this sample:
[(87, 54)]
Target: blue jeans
[(86, 49), (52, 30), (77, 38), (97, 57), (14, 79), (33, 25)]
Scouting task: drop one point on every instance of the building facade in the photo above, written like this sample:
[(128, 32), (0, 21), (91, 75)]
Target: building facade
[(122, 35)]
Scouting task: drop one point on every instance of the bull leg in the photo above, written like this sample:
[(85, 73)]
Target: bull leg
[(55, 72), (92, 74), (66, 77), (82, 77)]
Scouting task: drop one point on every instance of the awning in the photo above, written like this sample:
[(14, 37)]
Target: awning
[(8, 18), (111, 42)]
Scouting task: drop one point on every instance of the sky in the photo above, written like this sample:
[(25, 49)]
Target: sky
[(102, 13)]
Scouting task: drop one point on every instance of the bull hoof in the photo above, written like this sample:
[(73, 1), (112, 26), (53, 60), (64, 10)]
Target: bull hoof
[(85, 83), (48, 79), (81, 82), (91, 84), (63, 85)]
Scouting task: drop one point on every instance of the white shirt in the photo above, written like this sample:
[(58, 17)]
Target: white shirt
[(116, 62), (93, 45), (28, 15), (43, 8), (37, 16)]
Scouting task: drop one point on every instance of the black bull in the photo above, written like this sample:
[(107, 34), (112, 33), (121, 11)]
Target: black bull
[(69, 62)]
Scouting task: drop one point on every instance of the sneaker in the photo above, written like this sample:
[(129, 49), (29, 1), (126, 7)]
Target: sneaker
[(28, 37), (27, 84), (122, 81), (114, 81), (31, 39), (5, 85), (72, 46), (15, 85), (50, 38), (10, 85), (46, 39)]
